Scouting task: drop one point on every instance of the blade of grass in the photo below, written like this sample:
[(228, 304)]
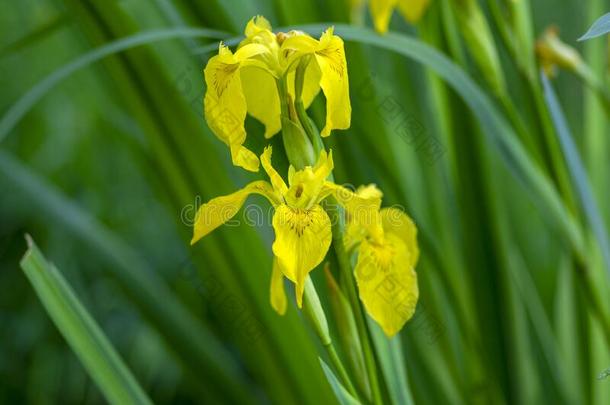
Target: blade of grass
[(577, 171), (41, 32), (81, 331), (198, 348), (343, 396), (391, 360), (600, 27), (18, 110)]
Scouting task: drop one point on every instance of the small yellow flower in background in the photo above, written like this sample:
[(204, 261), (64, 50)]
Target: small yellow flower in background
[(553, 53), (381, 11), (385, 271), (245, 82), (302, 227)]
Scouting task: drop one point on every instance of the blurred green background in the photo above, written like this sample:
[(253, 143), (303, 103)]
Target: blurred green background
[(105, 172)]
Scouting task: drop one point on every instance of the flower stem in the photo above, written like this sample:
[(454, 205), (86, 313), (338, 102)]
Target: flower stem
[(312, 308), (338, 365), (337, 220), (346, 274), (300, 153)]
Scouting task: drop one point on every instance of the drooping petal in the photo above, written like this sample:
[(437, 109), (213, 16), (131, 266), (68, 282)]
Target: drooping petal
[(221, 209), (263, 102), (362, 208), (386, 283), (330, 56), (395, 221), (225, 104), (302, 238), (276, 179), (356, 231), (277, 294), (381, 11), (353, 235), (294, 47), (413, 10)]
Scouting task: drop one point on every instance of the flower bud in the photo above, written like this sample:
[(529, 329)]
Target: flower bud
[(553, 53)]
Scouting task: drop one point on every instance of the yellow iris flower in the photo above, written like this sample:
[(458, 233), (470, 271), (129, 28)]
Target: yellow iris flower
[(302, 227), (381, 11), (245, 82), (385, 270)]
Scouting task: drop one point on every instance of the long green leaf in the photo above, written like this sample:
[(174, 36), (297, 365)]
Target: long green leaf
[(577, 171), (343, 396), (81, 331), (197, 347), (31, 97), (600, 27), (391, 359)]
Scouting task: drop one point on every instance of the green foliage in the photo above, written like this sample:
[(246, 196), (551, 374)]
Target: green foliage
[(105, 155), (80, 330)]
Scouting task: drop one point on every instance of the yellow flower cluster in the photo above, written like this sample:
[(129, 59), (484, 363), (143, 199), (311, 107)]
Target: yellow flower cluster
[(245, 82), (381, 11), (384, 240)]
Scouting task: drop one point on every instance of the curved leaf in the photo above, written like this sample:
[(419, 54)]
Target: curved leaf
[(29, 99), (600, 27)]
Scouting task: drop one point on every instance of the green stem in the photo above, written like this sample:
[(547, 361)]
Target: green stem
[(595, 301), (340, 369), (312, 308), (346, 274), (297, 143), (310, 129), (337, 230), (594, 83)]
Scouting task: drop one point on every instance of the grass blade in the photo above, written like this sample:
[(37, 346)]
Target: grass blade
[(30, 98), (343, 396), (80, 330), (600, 27), (197, 347), (391, 359), (577, 171)]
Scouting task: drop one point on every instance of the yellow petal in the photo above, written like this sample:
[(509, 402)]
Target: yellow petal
[(311, 83), (395, 221), (277, 294), (359, 226), (412, 10), (221, 209), (256, 25), (330, 56), (303, 44), (302, 238), (276, 179), (225, 104), (381, 11), (262, 99), (353, 235), (306, 184), (362, 208), (386, 283)]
